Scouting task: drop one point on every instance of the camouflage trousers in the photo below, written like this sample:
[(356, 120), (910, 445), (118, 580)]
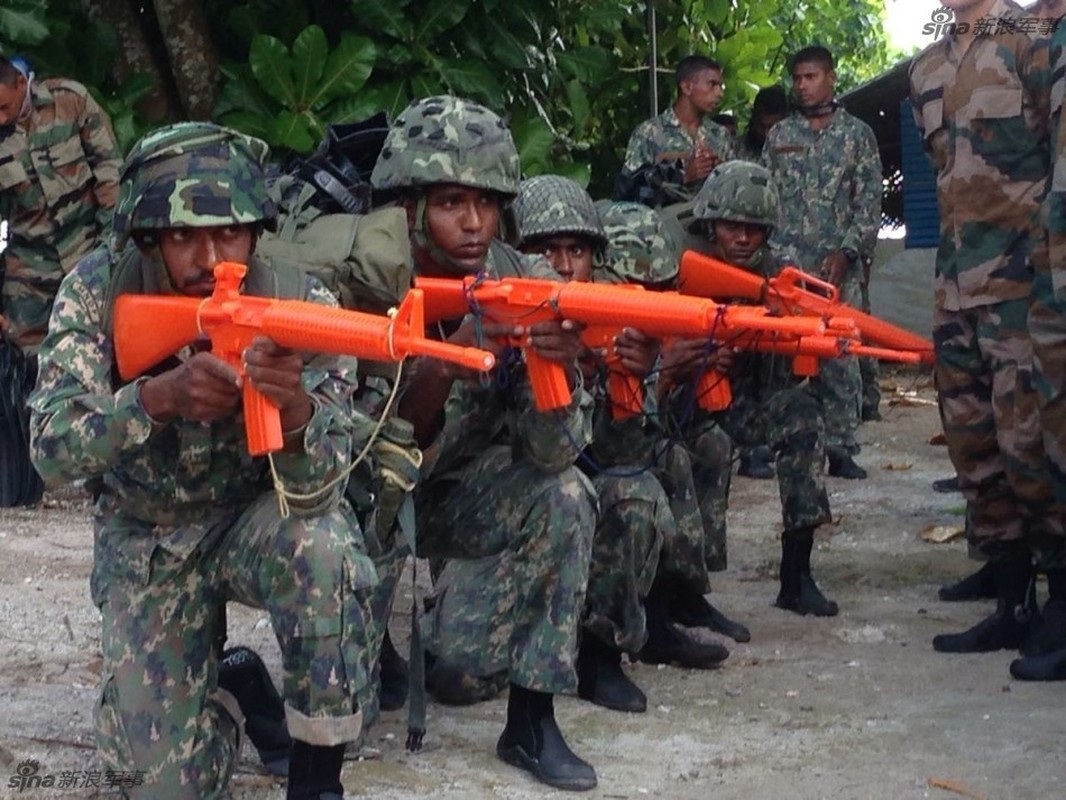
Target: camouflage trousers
[(160, 711), (989, 409), (684, 559), (838, 388), (1047, 329), (27, 304), (635, 519), (511, 594)]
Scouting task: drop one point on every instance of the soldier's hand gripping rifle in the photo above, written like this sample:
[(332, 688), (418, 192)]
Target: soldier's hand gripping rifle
[(605, 309), (149, 328)]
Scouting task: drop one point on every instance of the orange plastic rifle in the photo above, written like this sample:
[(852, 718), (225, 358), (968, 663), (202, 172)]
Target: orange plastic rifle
[(793, 292), (148, 328), (605, 309)]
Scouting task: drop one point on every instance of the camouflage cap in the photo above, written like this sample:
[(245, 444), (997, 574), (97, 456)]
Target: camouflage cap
[(551, 205), (446, 139), (640, 248), (192, 174), (738, 191)]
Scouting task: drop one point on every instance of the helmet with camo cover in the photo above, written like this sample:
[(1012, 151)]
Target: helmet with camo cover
[(551, 205), (738, 191), (446, 139), (192, 175), (640, 248)]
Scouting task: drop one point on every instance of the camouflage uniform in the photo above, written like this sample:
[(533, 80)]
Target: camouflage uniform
[(830, 186), (499, 486), (58, 182), (664, 141), (185, 518), (634, 512), (984, 124)]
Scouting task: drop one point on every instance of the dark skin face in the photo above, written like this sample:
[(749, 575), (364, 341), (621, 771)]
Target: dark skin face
[(462, 221), (204, 388), (570, 256), (11, 99), (812, 83), (737, 242)]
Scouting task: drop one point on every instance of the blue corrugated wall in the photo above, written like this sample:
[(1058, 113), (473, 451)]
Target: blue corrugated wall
[(920, 212)]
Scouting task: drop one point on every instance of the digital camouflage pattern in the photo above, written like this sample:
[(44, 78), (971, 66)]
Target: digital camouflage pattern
[(192, 174), (446, 139), (985, 126), (663, 140), (58, 183), (738, 191), (1047, 313), (829, 185), (552, 205), (640, 248)]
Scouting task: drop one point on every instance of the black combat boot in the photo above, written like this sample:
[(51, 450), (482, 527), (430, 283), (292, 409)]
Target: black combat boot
[(980, 585), (799, 593), (315, 772), (691, 609), (242, 673), (531, 740), (393, 677), (1048, 667), (946, 485), (1049, 629), (601, 680), (668, 645), (842, 465), (1008, 626), (756, 462)]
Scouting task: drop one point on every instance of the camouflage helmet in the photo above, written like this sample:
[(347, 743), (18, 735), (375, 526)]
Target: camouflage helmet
[(446, 139), (551, 205), (738, 191), (195, 175), (640, 248)]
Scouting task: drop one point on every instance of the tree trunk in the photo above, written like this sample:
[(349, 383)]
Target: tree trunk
[(193, 60)]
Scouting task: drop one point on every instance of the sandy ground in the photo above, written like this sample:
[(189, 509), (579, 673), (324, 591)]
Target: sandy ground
[(853, 707)]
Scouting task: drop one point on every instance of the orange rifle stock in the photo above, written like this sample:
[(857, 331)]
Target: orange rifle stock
[(792, 291), (149, 328), (604, 308)]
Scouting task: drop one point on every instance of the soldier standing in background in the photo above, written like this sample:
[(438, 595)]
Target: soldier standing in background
[(981, 102), (826, 168), (668, 156)]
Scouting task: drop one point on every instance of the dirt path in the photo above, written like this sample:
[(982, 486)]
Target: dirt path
[(854, 707)]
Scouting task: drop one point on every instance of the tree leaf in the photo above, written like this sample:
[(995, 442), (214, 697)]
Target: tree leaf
[(384, 16), (440, 15), (251, 123), (587, 64), (472, 78), (505, 46), (347, 68), (534, 139), (23, 23), (579, 106), (309, 53), (272, 66), (294, 131), (423, 84), (579, 173), (390, 97), (353, 108), (241, 92)]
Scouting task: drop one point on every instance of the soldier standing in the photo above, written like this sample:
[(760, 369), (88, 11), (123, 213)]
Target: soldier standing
[(668, 156), (500, 497), (981, 100), (186, 519), (826, 167)]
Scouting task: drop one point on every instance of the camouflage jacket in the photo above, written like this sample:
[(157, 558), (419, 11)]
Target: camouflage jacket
[(500, 409), (983, 116), (1055, 204), (663, 139), (829, 182), (85, 423), (58, 181)]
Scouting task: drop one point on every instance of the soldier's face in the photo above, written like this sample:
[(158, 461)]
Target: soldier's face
[(705, 89), (570, 256), (190, 254), (812, 83), (462, 221), (11, 99), (737, 242)]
